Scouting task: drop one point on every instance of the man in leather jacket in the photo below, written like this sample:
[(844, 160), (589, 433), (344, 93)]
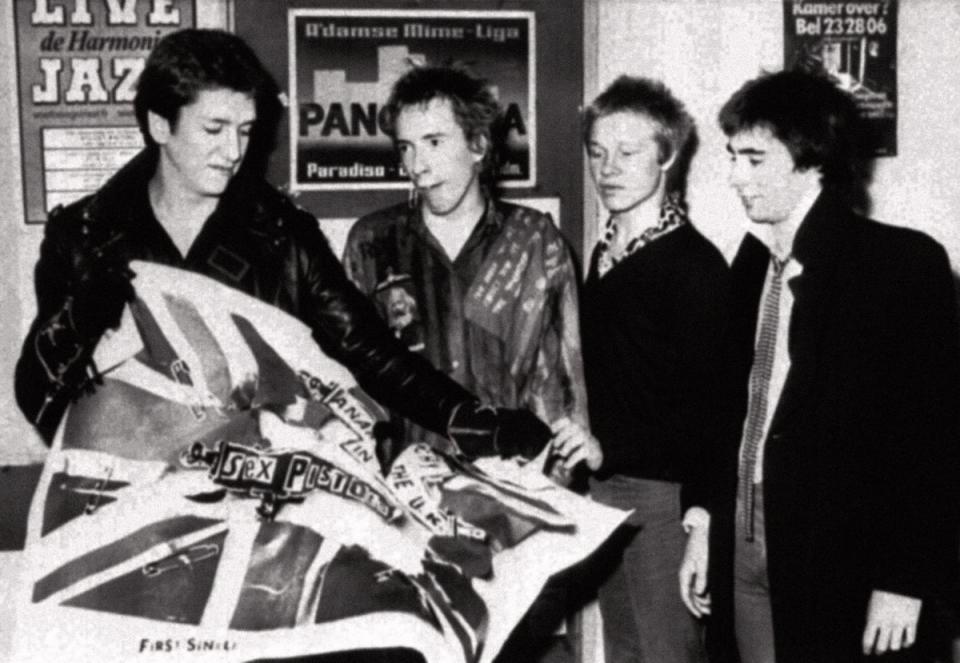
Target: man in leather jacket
[(192, 200)]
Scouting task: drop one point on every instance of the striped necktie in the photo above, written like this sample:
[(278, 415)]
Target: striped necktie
[(759, 388)]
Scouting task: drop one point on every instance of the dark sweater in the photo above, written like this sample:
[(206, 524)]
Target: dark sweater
[(653, 331)]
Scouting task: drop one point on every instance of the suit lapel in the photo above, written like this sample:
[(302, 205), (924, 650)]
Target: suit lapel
[(748, 272), (818, 247)]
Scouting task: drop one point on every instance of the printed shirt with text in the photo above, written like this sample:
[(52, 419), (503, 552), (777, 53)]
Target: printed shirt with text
[(501, 319)]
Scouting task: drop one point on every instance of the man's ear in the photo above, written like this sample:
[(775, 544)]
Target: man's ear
[(159, 127), (665, 166), (815, 171), (479, 146)]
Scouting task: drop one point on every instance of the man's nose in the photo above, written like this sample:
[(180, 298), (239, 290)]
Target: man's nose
[(233, 145), (418, 163), (738, 175), (610, 165)]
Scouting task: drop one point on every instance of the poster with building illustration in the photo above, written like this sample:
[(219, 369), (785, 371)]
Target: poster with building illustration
[(342, 64), (77, 64), (855, 44)]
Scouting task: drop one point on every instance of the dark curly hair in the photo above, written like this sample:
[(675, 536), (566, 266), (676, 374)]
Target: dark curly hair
[(816, 121)]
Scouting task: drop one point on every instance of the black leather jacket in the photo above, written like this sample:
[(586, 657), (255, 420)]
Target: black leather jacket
[(256, 241)]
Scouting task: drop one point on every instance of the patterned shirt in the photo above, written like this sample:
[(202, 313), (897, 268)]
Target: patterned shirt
[(501, 319)]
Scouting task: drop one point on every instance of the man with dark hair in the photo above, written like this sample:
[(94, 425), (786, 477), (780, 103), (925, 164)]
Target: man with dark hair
[(833, 522), (189, 200), (488, 289), (654, 309)]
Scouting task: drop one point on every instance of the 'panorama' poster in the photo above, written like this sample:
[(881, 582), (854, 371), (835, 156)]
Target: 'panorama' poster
[(344, 62)]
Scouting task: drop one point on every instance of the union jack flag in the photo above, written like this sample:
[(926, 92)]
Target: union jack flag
[(219, 498)]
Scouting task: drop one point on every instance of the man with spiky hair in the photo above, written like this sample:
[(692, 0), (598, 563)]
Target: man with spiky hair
[(653, 318), (484, 289)]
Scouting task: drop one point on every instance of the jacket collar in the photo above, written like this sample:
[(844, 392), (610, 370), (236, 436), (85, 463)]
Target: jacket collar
[(821, 237), (129, 184), (820, 246), (119, 198)]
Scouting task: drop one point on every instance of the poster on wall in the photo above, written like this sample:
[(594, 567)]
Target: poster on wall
[(77, 64), (855, 44), (344, 62)]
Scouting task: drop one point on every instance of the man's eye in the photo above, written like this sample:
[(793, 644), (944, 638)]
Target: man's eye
[(213, 130), (755, 162), (434, 142)]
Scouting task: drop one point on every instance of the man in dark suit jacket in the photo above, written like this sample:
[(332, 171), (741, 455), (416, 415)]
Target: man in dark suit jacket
[(833, 524)]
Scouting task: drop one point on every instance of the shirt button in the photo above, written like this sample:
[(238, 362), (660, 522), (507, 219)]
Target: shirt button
[(455, 364)]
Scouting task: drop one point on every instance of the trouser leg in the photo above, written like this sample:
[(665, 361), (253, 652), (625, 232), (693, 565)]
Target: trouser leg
[(753, 618), (644, 618)]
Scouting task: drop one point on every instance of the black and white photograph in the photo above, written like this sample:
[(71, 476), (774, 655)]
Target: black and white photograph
[(480, 331)]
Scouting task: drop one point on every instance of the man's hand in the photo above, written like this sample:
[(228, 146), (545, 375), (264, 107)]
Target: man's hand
[(573, 444), (891, 622), (480, 430), (520, 433), (693, 571)]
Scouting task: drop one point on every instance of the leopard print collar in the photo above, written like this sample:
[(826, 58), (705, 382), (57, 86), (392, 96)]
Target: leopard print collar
[(673, 215)]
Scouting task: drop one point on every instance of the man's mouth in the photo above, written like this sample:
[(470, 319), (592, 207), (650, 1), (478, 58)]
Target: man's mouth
[(427, 189)]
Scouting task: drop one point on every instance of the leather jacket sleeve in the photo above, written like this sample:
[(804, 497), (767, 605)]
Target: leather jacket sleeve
[(55, 361), (347, 327)]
